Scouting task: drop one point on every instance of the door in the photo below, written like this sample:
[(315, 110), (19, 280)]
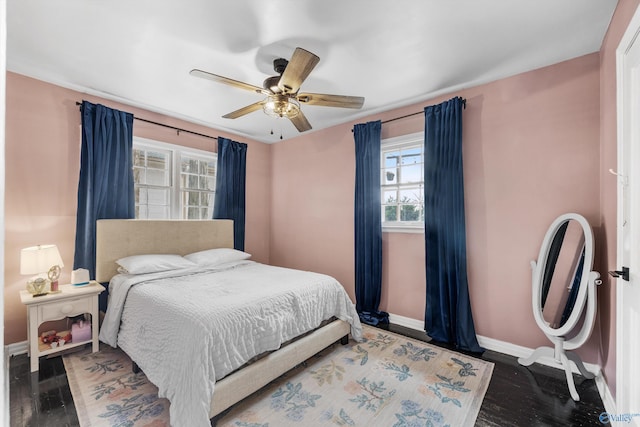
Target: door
[(628, 229)]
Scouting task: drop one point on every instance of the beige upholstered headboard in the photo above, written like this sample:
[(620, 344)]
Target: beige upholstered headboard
[(118, 238)]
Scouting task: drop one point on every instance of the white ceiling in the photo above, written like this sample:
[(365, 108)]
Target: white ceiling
[(392, 52)]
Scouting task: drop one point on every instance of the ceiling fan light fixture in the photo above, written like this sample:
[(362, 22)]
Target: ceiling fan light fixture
[(281, 106), (271, 84), (281, 91)]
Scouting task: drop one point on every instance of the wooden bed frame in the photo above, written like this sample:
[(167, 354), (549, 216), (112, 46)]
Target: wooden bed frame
[(116, 239)]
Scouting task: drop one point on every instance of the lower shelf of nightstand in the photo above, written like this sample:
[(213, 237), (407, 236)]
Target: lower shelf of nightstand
[(45, 348)]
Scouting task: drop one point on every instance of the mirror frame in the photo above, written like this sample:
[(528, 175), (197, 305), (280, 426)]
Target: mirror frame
[(538, 275)]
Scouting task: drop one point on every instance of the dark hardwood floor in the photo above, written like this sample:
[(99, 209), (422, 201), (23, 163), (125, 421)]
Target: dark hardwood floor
[(41, 398), (517, 396)]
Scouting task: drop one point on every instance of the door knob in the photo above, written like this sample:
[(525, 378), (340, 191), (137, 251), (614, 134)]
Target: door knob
[(624, 273)]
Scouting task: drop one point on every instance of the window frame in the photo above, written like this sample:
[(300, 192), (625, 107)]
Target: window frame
[(396, 143), (177, 152)]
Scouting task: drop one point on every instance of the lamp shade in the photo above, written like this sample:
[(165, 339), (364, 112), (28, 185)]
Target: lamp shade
[(39, 259)]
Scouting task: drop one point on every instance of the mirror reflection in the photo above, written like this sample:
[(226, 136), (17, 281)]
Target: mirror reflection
[(562, 273)]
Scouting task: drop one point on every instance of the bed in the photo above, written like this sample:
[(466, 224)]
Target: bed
[(187, 365)]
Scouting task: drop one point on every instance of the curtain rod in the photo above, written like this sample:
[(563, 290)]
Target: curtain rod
[(464, 106), (167, 126)]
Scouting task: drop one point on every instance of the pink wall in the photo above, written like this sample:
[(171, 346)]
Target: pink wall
[(531, 153), (42, 167), (608, 190)]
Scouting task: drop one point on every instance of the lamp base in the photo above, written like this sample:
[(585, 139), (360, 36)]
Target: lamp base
[(37, 286)]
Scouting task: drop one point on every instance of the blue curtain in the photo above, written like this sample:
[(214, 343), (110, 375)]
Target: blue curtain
[(230, 187), (448, 310), (105, 188), (368, 224)]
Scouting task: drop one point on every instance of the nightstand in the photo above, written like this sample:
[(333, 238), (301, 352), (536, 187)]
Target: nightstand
[(70, 301)]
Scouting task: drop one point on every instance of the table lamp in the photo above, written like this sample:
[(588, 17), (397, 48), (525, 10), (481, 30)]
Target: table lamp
[(45, 262)]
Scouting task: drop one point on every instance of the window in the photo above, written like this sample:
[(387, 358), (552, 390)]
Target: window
[(402, 183), (152, 182), (197, 186), (171, 181)]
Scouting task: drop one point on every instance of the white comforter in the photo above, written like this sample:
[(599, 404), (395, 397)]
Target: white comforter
[(185, 333)]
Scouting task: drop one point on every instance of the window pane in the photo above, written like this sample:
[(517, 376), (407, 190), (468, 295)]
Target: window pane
[(411, 174), (202, 167), (139, 176), (189, 181), (206, 199), (390, 213), (389, 196), (158, 212), (412, 156), (157, 177), (138, 157), (203, 183), (189, 165), (211, 184), (192, 181), (191, 198), (389, 176), (391, 159), (157, 160), (141, 212), (411, 195), (158, 196), (193, 213), (141, 195), (410, 212)]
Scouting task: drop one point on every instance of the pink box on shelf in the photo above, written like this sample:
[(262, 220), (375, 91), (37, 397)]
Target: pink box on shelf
[(80, 331)]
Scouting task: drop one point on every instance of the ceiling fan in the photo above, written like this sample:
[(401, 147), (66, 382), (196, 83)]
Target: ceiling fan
[(282, 97)]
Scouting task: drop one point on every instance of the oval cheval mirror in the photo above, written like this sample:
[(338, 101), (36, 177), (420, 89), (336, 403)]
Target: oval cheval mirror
[(564, 294)]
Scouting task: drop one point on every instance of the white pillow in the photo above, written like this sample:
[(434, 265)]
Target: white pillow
[(152, 263), (212, 257)]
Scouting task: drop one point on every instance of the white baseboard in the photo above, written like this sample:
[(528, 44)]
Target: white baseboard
[(605, 394), (7, 390), (519, 351), (407, 322), (15, 349)]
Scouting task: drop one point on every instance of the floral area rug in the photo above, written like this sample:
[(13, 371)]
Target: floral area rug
[(387, 380), (107, 393)]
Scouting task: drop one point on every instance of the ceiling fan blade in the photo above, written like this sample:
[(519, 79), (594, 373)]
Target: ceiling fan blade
[(302, 62), (327, 100), (228, 81), (244, 110), (300, 122)]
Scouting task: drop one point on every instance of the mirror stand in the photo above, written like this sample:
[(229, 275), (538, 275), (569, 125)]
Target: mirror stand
[(561, 352), (578, 260)]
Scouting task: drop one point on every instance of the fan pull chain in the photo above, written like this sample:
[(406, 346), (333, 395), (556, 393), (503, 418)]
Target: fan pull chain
[(280, 132)]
